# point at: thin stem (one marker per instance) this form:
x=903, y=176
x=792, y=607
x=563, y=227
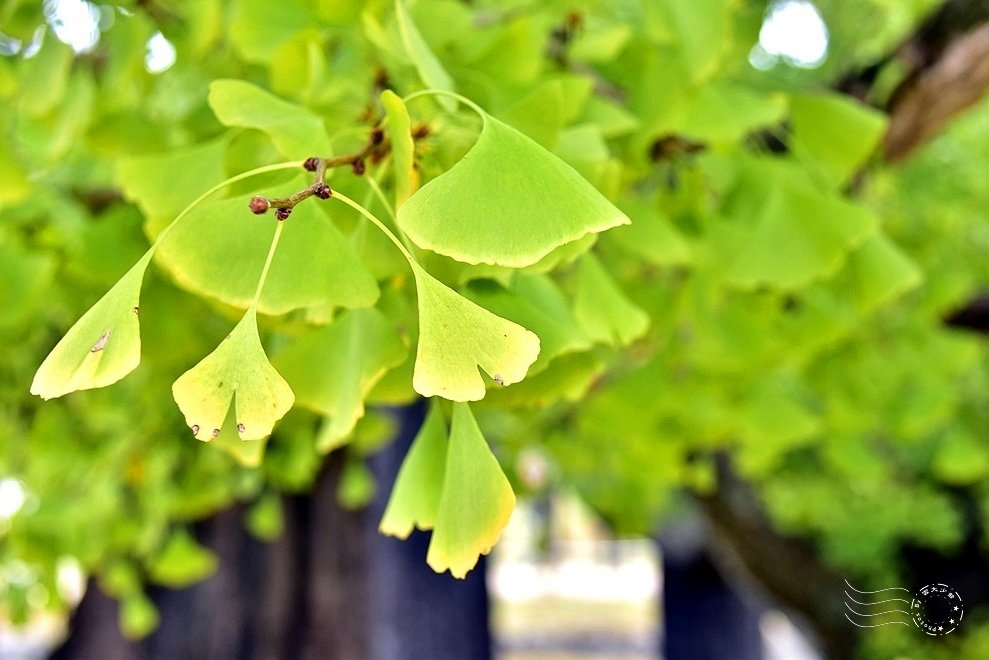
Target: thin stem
x=442, y=92
x=376, y=187
x=372, y=182
x=381, y=225
x=234, y=179
x=267, y=263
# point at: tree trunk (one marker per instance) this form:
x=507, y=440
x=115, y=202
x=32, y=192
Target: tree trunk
x=330, y=587
x=705, y=617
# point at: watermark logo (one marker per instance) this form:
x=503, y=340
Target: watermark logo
x=937, y=609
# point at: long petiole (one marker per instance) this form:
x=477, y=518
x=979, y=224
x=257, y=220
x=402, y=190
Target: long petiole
x=372, y=182
x=224, y=184
x=267, y=263
x=442, y=92
x=381, y=225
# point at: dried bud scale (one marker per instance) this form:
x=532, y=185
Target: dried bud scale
x=322, y=191
x=311, y=164
x=358, y=167
x=283, y=213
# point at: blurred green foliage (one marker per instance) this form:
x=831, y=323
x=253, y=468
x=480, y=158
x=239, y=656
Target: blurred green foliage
x=785, y=307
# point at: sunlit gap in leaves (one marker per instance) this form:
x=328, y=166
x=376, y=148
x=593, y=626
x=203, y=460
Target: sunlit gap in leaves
x=160, y=54
x=76, y=23
x=794, y=33
x=12, y=497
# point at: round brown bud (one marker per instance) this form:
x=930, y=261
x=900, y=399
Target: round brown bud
x=377, y=135
x=259, y=205
x=282, y=213
x=322, y=191
x=311, y=164
x=358, y=166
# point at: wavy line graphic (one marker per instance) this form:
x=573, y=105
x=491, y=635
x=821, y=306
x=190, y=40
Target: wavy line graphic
x=876, y=599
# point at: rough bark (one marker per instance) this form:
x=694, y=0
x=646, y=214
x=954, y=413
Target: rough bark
x=946, y=61
x=329, y=587
x=935, y=93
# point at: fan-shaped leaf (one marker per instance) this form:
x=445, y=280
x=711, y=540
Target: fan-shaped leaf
x=415, y=498
x=781, y=231
x=237, y=372
x=102, y=347
x=429, y=68
x=296, y=132
x=535, y=302
x=332, y=369
x=603, y=309
x=219, y=248
x=476, y=501
x=456, y=337
x=508, y=202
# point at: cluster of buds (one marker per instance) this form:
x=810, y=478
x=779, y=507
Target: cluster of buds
x=375, y=149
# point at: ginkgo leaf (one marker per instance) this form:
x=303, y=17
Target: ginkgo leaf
x=415, y=497
x=333, y=368
x=297, y=132
x=191, y=170
x=402, y=146
x=236, y=372
x=836, y=131
x=476, y=501
x=425, y=62
x=539, y=114
x=651, y=235
x=456, y=337
x=357, y=484
x=781, y=231
x=218, y=249
x=567, y=378
x=603, y=309
x=535, y=302
x=102, y=347
x=182, y=562
x=248, y=453
x=878, y=271
x=532, y=202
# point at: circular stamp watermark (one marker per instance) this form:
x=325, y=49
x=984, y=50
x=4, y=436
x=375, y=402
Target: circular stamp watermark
x=937, y=609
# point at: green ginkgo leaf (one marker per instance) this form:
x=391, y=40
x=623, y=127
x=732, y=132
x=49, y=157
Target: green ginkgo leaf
x=296, y=132
x=536, y=303
x=567, y=378
x=415, y=497
x=456, y=337
x=218, y=249
x=780, y=230
x=425, y=62
x=248, y=453
x=476, y=501
x=333, y=368
x=877, y=272
x=836, y=131
x=532, y=202
x=402, y=145
x=236, y=372
x=602, y=308
x=102, y=347
x=191, y=170
x=182, y=562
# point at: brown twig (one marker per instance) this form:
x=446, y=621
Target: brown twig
x=375, y=148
